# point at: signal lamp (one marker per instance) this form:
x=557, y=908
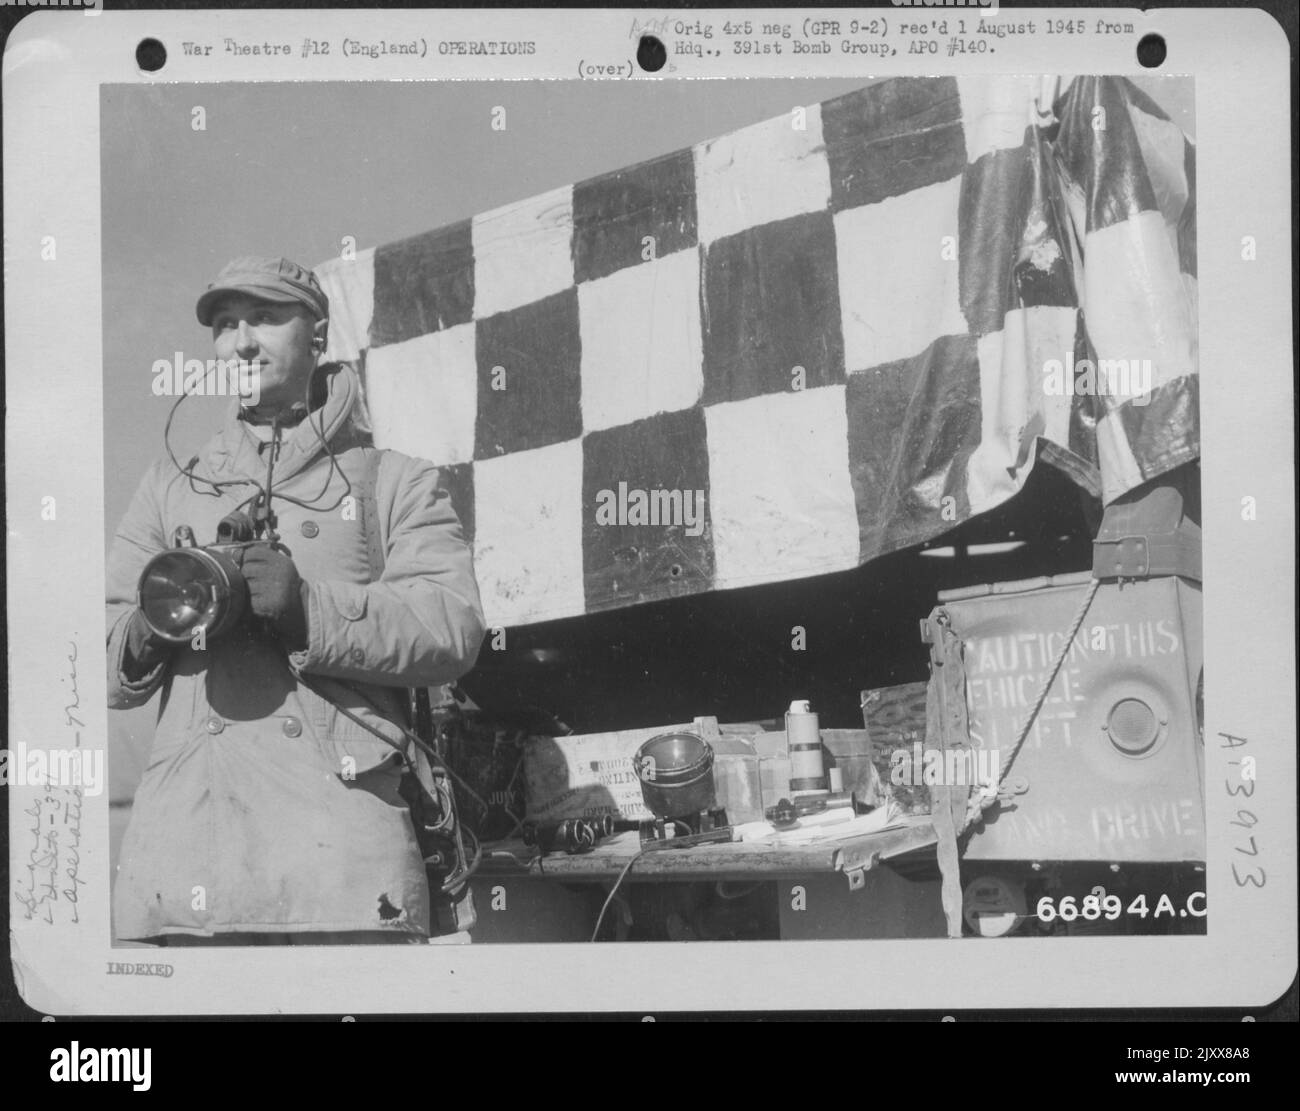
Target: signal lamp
x=186, y=589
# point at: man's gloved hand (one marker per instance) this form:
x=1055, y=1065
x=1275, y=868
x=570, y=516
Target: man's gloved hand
x=277, y=593
x=144, y=648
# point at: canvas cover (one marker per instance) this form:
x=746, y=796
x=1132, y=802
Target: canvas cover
x=828, y=333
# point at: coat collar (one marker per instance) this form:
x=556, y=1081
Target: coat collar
x=234, y=450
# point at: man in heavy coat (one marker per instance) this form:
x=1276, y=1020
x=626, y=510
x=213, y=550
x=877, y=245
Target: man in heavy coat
x=266, y=813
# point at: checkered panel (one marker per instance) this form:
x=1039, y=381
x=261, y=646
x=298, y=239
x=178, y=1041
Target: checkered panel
x=768, y=172
x=1130, y=315
x=996, y=114
x=782, y=500
x=458, y=481
x=929, y=399
x=633, y=216
x=529, y=381
x=1033, y=336
x=1038, y=245
x=528, y=534
x=1104, y=170
x=919, y=248
x=423, y=284
x=898, y=277
x=771, y=304
x=423, y=393
x=991, y=240
x=1173, y=404
x=641, y=348
x=1138, y=286
x=350, y=286
x=646, y=528
x=523, y=252
x=888, y=139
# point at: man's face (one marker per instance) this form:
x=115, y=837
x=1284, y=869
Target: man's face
x=276, y=337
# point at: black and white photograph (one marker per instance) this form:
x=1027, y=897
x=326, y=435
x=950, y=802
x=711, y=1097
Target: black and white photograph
x=794, y=534
x=663, y=511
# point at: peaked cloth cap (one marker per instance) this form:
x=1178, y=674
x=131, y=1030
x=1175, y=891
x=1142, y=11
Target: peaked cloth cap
x=272, y=279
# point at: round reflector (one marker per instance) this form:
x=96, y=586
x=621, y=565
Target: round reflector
x=994, y=906
x=1132, y=726
x=185, y=589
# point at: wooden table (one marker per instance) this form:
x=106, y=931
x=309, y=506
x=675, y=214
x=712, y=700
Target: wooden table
x=736, y=859
x=830, y=890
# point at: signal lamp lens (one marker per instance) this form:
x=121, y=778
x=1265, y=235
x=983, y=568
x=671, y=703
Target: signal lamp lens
x=186, y=589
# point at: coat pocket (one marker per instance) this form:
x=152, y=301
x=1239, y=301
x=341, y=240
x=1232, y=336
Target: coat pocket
x=348, y=741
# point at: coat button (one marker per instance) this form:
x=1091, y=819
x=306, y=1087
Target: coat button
x=310, y=529
x=214, y=725
x=292, y=727
x=357, y=655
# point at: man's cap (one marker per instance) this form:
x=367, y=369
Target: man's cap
x=271, y=279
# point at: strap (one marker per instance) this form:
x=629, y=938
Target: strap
x=946, y=729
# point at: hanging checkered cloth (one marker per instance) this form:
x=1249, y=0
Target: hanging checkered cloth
x=834, y=324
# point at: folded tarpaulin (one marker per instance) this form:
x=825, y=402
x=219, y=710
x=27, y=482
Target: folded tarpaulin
x=794, y=348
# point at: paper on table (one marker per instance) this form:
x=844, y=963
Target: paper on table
x=827, y=826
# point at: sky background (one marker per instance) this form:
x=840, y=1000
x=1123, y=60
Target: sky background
x=291, y=168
